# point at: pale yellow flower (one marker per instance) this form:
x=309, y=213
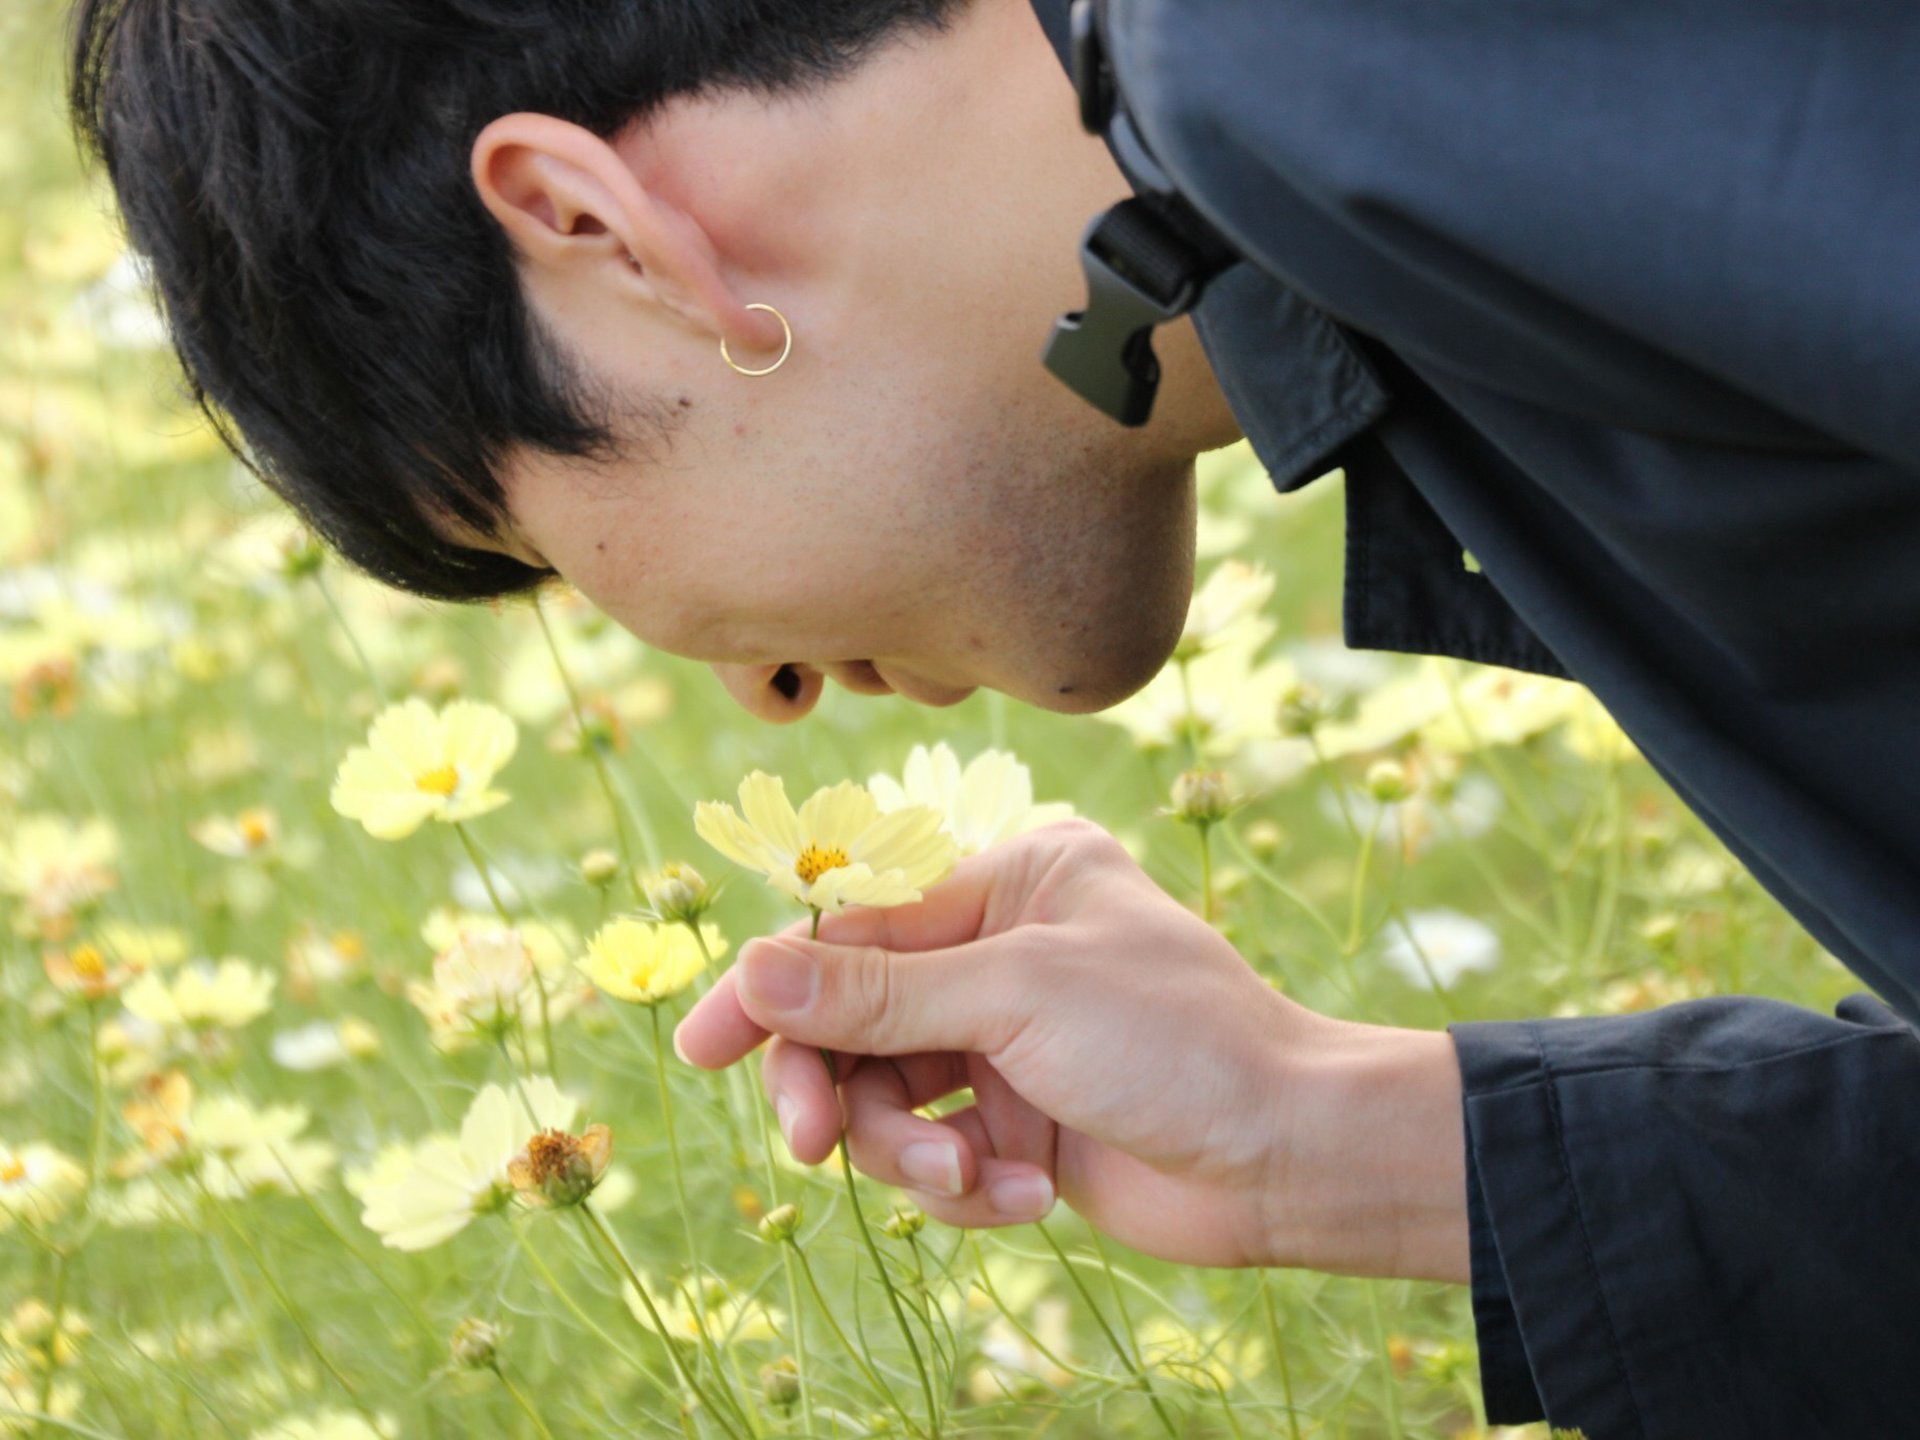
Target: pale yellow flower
x=418, y=765
x=238, y=837
x=726, y=1317
x=246, y=1151
x=838, y=850
x=484, y=973
x=647, y=963
x=327, y=1425
x=1227, y=606
x=989, y=801
x=37, y=1183
x=230, y=994
x=418, y=1198
x=56, y=867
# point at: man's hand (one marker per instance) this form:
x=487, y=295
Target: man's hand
x=1121, y=1055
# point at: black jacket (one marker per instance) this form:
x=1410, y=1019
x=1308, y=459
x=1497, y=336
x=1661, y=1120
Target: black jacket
x=1624, y=298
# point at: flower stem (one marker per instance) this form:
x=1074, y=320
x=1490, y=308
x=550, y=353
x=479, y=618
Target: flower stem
x=1206, y=871
x=1140, y=1376
x=590, y=745
x=1389, y=1389
x=697, y=1303
x=880, y=1387
x=506, y=919
x=879, y=1263
x=687, y=1377
x=525, y=1405
x=1279, y=1356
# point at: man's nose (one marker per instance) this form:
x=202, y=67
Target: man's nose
x=779, y=694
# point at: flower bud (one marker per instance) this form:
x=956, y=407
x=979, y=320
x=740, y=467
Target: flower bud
x=1202, y=797
x=780, y=1382
x=1303, y=710
x=677, y=892
x=475, y=1344
x=780, y=1223
x=1388, y=783
x=599, y=867
x=905, y=1222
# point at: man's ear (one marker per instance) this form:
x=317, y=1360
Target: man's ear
x=571, y=207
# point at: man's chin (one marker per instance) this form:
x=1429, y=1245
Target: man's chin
x=1085, y=691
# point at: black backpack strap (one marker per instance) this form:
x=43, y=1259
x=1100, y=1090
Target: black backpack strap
x=1148, y=259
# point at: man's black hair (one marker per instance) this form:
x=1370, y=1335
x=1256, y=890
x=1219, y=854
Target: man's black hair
x=296, y=173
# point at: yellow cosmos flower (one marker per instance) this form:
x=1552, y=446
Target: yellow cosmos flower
x=644, y=963
x=415, y=1198
x=837, y=850
x=230, y=994
x=37, y=1183
x=419, y=765
x=722, y=1315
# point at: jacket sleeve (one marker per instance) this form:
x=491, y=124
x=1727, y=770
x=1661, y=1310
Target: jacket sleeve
x=1697, y=1222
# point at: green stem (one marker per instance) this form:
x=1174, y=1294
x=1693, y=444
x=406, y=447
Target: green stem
x=879, y=1262
x=592, y=747
x=1279, y=1356
x=1389, y=1387
x=1356, y=910
x=340, y=619
x=53, y=1338
x=1140, y=1376
x=500, y=909
x=880, y=1387
x=565, y=1297
x=697, y=1303
x=525, y=1405
x=1206, y=870
x=626, y=1270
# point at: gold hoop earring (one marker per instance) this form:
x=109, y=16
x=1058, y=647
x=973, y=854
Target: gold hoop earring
x=785, y=350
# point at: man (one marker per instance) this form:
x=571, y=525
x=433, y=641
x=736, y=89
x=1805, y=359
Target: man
x=727, y=312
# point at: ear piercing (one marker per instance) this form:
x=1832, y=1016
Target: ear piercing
x=785, y=350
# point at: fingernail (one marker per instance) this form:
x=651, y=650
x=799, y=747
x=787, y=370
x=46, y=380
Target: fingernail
x=785, y=1109
x=776, y=977
x=676, y=1047
x=1023, y=1197
x=934, y=1164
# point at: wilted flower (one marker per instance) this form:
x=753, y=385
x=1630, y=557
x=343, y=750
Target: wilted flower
x=838, y=850
x=677, y=892
x=37, y=1183
x=990, y=801
x=646, y=963
x=419, y=765
x=416, y=1198
x=160, y=1113
x=557, y=1168
x=229, y=995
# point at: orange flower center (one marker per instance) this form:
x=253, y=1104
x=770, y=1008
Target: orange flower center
x=441, y=781
x=88, y=963
x=550, y=1152
x=13, y=1171
x=255, y=827
x=815, y=862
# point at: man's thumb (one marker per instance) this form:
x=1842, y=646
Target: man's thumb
x=872, y=1001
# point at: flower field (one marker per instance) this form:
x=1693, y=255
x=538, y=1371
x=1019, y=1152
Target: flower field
x=342, y=937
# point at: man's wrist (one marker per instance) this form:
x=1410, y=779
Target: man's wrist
x=1375, y=1163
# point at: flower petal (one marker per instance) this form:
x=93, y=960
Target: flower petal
x=763, y=800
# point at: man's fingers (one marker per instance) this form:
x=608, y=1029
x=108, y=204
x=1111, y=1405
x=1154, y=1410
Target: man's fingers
x=803, y=1098
x=892, y=1144
x=879, y=1002
x=717, y=1031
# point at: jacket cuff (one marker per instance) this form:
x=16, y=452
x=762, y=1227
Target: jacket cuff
x=1546, y=1345
x=1506, y=1382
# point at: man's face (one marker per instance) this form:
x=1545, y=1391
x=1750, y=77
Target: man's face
x=910, y=502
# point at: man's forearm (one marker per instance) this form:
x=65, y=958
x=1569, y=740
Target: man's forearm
x=1375, y=1161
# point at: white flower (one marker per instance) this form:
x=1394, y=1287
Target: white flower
x=37, y=1182
x=990, y=801
x=483, y=973
x=324, y=1044
x=418, y=1198
x=1450, y=942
